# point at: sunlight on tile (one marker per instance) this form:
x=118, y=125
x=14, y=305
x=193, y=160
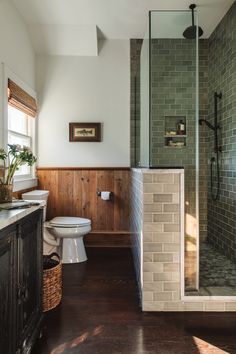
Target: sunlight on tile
x=191, y=226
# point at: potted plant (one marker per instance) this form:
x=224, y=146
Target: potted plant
x=12, y=159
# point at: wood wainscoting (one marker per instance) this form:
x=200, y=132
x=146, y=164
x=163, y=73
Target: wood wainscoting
x=73, y=192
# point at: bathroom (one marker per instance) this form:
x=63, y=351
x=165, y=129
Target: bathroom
x=151, y=194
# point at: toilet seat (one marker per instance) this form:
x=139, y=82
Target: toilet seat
x=69, y=222
x=69, y=232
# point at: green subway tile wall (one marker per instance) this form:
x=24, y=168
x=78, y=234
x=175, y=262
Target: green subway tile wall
x=222, y=77
x=135, y=50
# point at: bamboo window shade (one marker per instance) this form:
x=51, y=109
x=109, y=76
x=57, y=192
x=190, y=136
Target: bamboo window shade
x=21, y=100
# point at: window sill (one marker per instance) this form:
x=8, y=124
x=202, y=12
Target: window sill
x=22, y=184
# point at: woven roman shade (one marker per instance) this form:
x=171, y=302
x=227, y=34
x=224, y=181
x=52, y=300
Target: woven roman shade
x=21, y=100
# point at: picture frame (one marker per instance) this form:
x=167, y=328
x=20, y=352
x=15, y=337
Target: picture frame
x=84, y=132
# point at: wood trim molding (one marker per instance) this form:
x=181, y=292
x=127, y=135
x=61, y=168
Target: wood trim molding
x=108, y=239
x=82, y=168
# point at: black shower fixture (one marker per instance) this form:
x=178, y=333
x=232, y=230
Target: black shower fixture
x=208, y=124
x=215, y=127
x=215, y=164
x=191, y=31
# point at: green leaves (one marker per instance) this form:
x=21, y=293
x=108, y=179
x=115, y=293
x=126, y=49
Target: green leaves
x=3, y=154
x=14, y=158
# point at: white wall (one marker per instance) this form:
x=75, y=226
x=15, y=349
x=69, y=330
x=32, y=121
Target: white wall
x=84, y=89
x=15, y=47
x=16, y=51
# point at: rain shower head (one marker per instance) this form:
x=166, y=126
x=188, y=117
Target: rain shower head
x=191, y=31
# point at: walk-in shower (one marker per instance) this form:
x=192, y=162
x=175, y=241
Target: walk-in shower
x=185, y=80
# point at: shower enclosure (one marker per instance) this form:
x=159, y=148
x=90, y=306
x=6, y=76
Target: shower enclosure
x=184, y=116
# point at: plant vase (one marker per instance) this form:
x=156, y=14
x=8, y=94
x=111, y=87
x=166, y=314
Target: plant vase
x=6, y=193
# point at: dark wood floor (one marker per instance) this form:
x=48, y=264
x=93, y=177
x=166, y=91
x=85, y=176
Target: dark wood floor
x=100, y=314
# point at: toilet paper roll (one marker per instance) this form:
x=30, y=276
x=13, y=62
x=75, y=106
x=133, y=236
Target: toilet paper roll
x=105, y=195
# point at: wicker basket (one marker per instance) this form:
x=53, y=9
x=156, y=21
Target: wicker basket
x=52, y=281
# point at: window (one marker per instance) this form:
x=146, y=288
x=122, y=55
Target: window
x=21, y=131
x=22, y=109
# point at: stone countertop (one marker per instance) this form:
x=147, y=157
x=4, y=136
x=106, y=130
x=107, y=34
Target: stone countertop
x=8, y=217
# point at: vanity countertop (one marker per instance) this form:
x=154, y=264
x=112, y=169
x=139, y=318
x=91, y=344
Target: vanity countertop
x=8, y=217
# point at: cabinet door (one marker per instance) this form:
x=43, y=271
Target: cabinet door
x=8, y=239
x=30, y=279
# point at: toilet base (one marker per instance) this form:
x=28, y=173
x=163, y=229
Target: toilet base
x=73, y=250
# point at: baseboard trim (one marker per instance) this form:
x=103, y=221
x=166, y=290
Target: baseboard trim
x=108, y=239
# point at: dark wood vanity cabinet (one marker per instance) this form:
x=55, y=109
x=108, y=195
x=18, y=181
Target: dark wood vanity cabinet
x=8, y=279
x=21, y=284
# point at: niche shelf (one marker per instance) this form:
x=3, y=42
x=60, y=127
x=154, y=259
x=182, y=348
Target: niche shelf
x=173, y=136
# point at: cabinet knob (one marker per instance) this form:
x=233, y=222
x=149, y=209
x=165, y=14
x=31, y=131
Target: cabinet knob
x=19, y=292
x=22, y=292
x=25, y=294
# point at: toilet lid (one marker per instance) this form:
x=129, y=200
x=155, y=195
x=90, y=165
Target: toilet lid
x=69, y=221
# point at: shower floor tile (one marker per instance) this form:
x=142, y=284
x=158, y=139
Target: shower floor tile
x=215, y=268
x=217, y=273
x=212, y=291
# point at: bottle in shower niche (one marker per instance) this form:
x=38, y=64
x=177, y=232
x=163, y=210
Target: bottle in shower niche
x=181, y=127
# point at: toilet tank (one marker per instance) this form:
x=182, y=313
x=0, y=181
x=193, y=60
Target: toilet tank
x=40, y=196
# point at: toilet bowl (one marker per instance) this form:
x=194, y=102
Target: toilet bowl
x=62, y=232
x=70, y=231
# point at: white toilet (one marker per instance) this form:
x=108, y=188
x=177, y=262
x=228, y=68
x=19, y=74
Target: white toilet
x=63, y=231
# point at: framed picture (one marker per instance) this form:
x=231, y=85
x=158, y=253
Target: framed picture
x=85, y=132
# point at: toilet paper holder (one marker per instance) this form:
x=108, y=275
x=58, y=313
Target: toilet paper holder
x=100, y=192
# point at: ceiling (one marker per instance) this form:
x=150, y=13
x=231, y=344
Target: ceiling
x=72, y=27
x=115, y=19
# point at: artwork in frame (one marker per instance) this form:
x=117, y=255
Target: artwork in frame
x=85, y=132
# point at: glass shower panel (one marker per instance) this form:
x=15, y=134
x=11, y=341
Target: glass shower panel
x=174, y=116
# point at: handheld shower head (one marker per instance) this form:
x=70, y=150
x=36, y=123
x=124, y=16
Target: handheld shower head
x=201, y=121
x=208, y=124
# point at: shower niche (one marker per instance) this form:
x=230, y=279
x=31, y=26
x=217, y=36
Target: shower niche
x=175, y=133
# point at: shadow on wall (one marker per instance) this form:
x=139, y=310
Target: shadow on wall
x=101, y=40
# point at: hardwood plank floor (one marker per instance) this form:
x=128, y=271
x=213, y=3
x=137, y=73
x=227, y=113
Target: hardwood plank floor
x=100, y=314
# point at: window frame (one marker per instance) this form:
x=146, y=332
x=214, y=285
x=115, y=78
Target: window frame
x=29, y=180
